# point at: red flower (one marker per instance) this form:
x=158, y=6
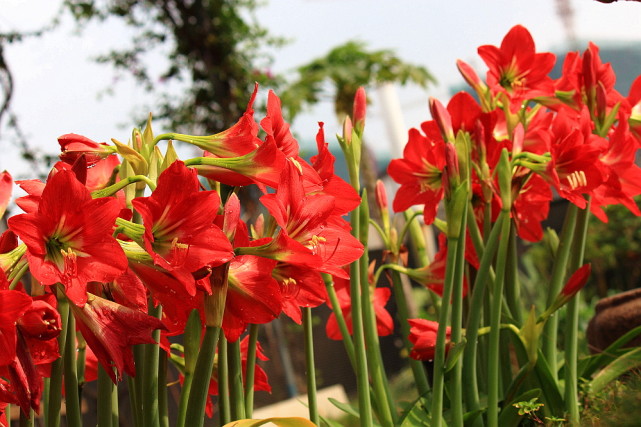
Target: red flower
x=380, y=296
x=111, y=330
x=420, y=173
x=73, y=146
x=179, y=222
x=516, y=69
x=309, y=221
x=69, y=237
x=423, y=335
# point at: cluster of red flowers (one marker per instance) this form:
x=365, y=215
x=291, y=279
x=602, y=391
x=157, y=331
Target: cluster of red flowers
x=111, y=254
x=576, y=136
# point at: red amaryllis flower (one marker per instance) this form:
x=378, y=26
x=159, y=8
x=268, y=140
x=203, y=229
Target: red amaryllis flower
x=575, y=168
x=252, y=295
x=299, y=287
x=346, y=198
x=420, y=173
x=73, y=146
x=380, y=296
x=13, y=304
x=516, y=69
x=179, y=222
x=423, y=335
x=111, y=330
x=6, y=187
x=309, y=221
x=69, y=239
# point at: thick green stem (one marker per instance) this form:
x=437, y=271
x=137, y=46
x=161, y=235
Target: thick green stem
x=418, y=370
x=163, y=409
x=57, y=368
x=236, y=390
x=362, y=374
x=115, y=413
x=191, y=345
x=439, y=354
x=223, y=382
x=495, y=331
x=457, y=324
x=380, y=385
x=202, y=377
x=550, y=330
x=105, y=391
x=151, y=416
x=484, y=277
x=512, y=289
x=572, y=322
x=311, y=367
x=72, y=398
x=250, y=370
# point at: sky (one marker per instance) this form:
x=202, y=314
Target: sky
x=59, y=88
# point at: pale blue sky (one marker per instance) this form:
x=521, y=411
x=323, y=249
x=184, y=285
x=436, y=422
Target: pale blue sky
x=57, y=83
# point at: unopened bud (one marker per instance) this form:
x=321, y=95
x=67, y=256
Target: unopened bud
x=360, y=109
x=443, y=119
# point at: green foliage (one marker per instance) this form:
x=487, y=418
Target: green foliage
x=347, y=67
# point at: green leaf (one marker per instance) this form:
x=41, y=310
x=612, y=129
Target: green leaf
x=418, y=415
x=510, y=414
x=597, y=361
x=615, y=369
x=345, y=407
x=551, y=394
x=454, y=354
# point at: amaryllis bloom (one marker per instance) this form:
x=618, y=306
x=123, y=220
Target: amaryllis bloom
x=379, y=296
x=252, y=295
x=346, y=198
x=179, y=222
x=420, y=173
x=575, y=168
x=111, y=330
x=69, y=238
x=309, y=221
x=423, y=335
x=516, y=69
x=74, y=146
x=6, y=188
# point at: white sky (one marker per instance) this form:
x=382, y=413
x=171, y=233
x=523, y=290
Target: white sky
x=57, y=84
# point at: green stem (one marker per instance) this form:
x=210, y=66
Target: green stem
x=550, y=330
x=57, y=367
x=495, y=331
x=24, y=420
x=115, y=416
x=72, y=398
x=250, y=370
x=418, y=370
x=457, y=324
x=311, y=367
x=151, y=416
x=340, y=319
x=113, y=189
x=512, y=289
x=191, y=345
x=223, y=382
x=236, y=380
x=105, y=392
x=484, y=277
x=572, y=321
x=163, y=409
x=384, y=402
x=362, y=375
x=439, y=354
x=202, y=377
